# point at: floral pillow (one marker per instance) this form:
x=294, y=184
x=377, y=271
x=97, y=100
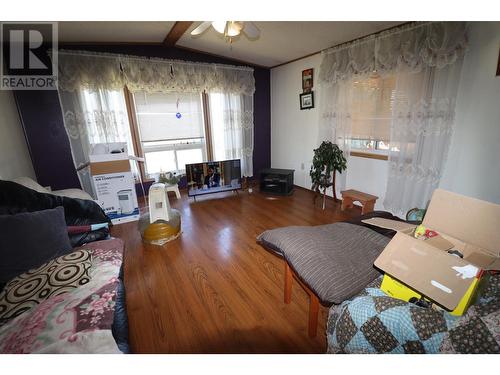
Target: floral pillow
x=56, y=277
x=75, y=322
x=78, y=320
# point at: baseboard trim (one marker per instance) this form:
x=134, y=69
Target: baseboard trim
x=312, y=191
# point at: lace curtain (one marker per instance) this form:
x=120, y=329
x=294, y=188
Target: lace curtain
x=335, y=103
x=423, y=115
x=410, y=48
x=81, y=69
x=232, y=128
x=167, y=76
x=425, y=60
x=90, y=117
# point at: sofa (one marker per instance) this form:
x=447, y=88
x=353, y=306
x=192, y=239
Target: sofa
x=59, y=293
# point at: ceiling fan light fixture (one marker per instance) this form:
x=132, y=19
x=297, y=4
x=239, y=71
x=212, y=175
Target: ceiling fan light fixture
x=219, y=26
x=229, y=29
x=234, y=28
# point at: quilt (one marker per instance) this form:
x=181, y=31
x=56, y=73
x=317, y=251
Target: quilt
x=376, y=323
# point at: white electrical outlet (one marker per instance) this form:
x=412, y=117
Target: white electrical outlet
x=302, y=166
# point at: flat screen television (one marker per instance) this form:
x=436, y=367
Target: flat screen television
x=213, y=177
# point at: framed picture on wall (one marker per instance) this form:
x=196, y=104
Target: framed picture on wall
x=307, y=80
x=306, y=100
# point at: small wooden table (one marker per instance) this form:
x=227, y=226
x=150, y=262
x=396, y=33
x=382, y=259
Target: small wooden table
x=367, y=200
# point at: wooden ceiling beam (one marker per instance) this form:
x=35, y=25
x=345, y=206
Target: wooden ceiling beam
x=179, y=28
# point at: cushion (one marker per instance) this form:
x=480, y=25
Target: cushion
x=30, y=184
x=58, y=276
x=16, y=198
x=30, y=239
x=73, y=193
x=334, y=260
x=79, y=320
x=33, y=185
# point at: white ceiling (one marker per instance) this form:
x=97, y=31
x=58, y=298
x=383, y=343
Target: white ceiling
x=114, y=32
x=279, y=42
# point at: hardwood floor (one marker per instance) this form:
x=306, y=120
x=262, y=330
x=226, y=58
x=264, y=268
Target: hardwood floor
x=215, y=290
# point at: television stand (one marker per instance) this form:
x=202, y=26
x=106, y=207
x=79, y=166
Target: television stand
x=235, y=190
x=276, y=181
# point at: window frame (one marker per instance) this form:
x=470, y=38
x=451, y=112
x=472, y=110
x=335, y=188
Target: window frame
x=134, y=132
x=175, y=147
x=375, y=153
x=368, y=155
x=207, y=148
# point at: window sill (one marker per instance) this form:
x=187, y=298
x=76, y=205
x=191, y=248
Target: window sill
x=144, y=180
x=362, y=154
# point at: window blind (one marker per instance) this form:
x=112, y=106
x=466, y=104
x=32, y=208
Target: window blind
x=169, y=116
x=372, y=108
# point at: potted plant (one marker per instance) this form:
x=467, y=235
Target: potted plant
x=169, y=178
x=328, y=159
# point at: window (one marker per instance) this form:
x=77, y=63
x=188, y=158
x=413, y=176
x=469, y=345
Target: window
x=106, y=119
x=171, y=129
x=372, y=113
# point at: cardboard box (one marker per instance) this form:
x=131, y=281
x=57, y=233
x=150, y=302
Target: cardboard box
x=397, y=289
x=468, y=225
x=114, y=185
x=101, y=152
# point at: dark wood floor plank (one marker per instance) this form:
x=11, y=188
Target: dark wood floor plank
x=215, y=290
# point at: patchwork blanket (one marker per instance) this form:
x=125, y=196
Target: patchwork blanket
x=376, y=323
x=64, y=306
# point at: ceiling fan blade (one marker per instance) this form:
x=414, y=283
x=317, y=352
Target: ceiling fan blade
x=201, y=28
x=251, y=31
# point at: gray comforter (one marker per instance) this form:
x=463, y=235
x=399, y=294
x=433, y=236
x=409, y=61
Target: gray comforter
x=334, y=260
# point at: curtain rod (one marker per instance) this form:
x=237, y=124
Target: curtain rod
x=146, y=58
x=379, y=34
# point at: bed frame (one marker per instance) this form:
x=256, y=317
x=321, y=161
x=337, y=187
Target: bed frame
x=290, y=275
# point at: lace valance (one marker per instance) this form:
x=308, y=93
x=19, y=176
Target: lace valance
x=411, y=47
x=80, y=69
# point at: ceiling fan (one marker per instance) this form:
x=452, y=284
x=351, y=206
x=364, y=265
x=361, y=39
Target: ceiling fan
x=229, y=29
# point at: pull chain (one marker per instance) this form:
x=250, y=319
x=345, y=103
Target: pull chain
x=178, y=114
